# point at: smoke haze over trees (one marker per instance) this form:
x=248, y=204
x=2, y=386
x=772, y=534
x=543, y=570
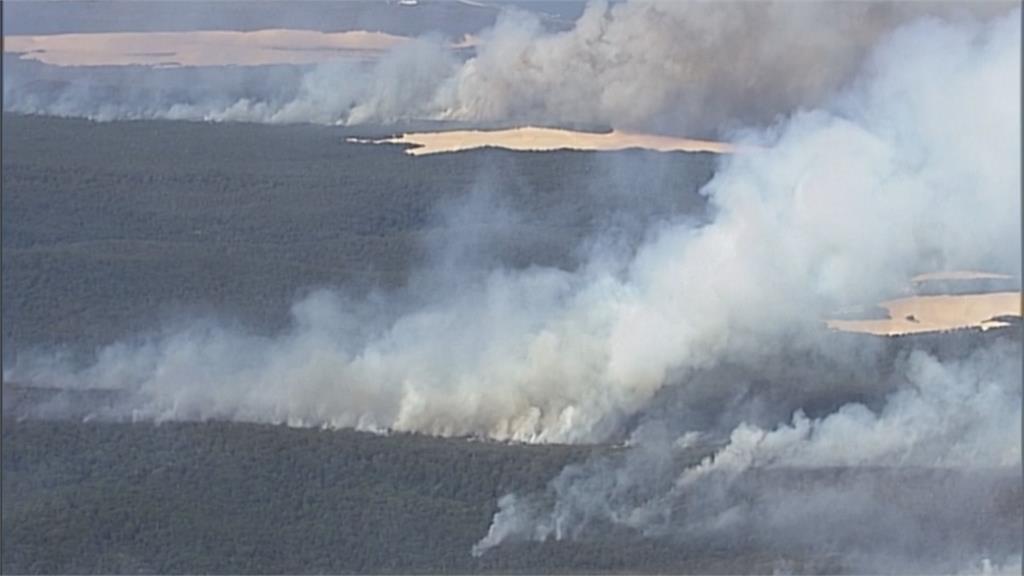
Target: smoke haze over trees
x=689, y=68
x=670, y=304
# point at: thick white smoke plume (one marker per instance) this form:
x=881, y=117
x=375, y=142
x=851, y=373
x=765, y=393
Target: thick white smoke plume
x=685, y=67
x=848, y=482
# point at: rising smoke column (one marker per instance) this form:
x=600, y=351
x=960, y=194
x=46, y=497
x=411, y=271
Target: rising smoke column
x=929, y=480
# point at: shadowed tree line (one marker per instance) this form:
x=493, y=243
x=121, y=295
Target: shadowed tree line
x=113, y=228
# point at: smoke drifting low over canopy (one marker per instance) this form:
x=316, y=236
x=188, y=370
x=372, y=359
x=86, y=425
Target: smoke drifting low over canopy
x=699, y=333
x=829, y=208
x=691, y=68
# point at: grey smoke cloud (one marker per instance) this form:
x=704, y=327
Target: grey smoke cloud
x=684, y=67
x=840, y=483
x=928, y=480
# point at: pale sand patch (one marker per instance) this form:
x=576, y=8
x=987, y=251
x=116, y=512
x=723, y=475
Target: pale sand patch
x=200, y=48
x=918, y=314
x=958, y=275
x=531, y=138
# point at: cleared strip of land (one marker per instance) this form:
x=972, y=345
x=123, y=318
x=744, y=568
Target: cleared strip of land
x=532, y=138
x=918, y=314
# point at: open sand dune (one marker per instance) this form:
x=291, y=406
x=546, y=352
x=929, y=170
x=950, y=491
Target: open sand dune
x=200, y=48
x=531, y=138
x=937, y=313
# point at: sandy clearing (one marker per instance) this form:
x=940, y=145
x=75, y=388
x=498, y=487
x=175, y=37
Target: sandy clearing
x=531, y=138
x=200, y=48
x=918, y=314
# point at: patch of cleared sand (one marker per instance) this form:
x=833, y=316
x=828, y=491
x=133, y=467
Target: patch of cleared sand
x=917, y=314
x=200, y=48
x=530, y=138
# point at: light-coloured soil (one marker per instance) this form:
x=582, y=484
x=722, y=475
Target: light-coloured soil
x=531, y=138
x=917, y=314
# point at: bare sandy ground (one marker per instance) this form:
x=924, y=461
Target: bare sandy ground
x=530, y=138
x=200, y=48
x=917, y=314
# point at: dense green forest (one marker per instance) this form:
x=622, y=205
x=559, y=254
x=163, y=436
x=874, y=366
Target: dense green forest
x=112, y=228
x=245, y=498
x=240, y=498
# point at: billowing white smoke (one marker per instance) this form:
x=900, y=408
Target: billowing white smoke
x=681, y=66
x=686, y=67
x=916, y=168
x=840, y=200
